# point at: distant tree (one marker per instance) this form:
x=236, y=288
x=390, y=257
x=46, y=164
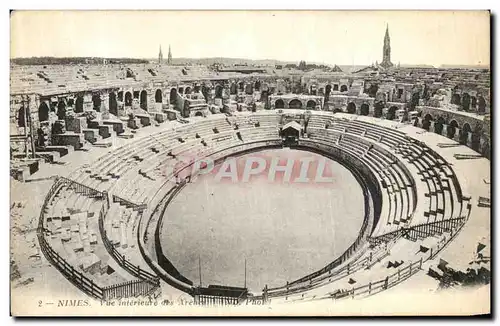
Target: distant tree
x=302, y=65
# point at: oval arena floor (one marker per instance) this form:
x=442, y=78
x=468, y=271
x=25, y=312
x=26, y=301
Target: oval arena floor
x=283, y=230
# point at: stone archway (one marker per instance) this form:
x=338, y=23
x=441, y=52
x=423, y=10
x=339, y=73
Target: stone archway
x=257, y=85
x=198, y=114
x=464, y=134
x=378, y=109
x=173, y=96
x=439, y=125
x=249, y=89
x=79, y=104
x=241, y=86
x=96, y=102
x=233, y=89
x=455, y=99
x=43, y=112
x=343, y=88
x=144, y=100
x=187, y=90
x=21, y=116
x=120, y=96
x=128, y=99
x=473, y=102
x=218, y=91
x=475, y=142
x=311, y=104
x=466, y=102
x=351, y=108
x=451, y=129
x=279, y=104
x=112, y=104
x=391, y=113
x=365, y=109
x=158, y=96
x=295, y=104
x=481, y=105
x=61, y=110
x=426, y=123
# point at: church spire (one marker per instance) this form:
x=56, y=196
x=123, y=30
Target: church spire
x=169, y=59
x=160, y=56
x=386, y=59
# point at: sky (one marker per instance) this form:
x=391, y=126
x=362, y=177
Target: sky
x=331, y=37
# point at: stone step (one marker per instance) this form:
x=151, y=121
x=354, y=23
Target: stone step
x=126, y=135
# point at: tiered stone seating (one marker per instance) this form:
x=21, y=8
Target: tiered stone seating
x=73, y=223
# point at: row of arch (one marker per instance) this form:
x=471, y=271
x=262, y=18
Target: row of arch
x=451, y=129
x=466, y=102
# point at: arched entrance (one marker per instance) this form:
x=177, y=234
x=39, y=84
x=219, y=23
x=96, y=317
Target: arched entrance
x=335, y=87
x=20, y=117
x=451, y=129
x=279, y=104
x=181, y=90
x=173, y=96
x=481, y=105
x=128, y=99
x=198, y=114
x=378, y=109
x=311, y=104
x=438, y=125
x=343, y=88
x=415, y=99
x=391, y=113
x=257, y=85
x=351, y=108
x=426, y=124
x=365, y=109
x=263, y=97
x=96, y=101
x=241, y=86
x=43, y=112
x=79, y=104
x=218, y=91
x=464, y=134
x=113, y=105
x=233, y=89
x=158, y=96
x=144, y=100
x=295, y=104
x=249, y=89
x=204, y=91
x=188, y=90
x=61, y=110
x=475, y=142
x=328, y=90
x=466, y=102
x=473, y=102
x=455, y=99
x=372, y=91
x=120, y=96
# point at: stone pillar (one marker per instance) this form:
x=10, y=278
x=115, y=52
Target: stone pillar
x=87, y=102
x=456, y=137
x=105, y=106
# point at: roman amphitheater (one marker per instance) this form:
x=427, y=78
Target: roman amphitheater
x=106, y=204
